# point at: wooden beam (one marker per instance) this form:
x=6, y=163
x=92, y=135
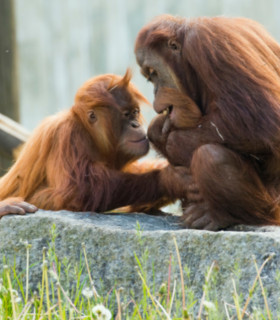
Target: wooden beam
x=12, y=134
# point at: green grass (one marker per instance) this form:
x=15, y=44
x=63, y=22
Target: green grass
x=174, y=299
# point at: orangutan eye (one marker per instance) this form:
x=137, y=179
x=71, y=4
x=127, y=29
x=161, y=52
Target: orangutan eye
x=173, y=45
x=151, y=74
x=92, y=116
x=136, y=113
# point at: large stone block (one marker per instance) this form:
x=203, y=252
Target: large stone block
x=113, y=240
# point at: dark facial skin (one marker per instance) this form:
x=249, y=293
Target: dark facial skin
x=151, y=67
x=132, y=142
x=120, y=122
x=155, y=70
x=177, y=112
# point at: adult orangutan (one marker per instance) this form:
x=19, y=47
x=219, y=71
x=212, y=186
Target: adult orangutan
x=217, y=91
x=77, y=160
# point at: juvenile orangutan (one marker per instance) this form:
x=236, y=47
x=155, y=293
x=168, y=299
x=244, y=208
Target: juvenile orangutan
x=82, y=159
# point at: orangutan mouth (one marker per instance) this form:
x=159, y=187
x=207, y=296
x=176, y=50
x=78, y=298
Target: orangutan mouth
x=167, y=111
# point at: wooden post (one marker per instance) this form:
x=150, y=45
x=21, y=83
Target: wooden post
x=8, y=65
x=12, y=135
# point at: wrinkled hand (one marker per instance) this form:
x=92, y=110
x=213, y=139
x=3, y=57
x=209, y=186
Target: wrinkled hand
x=181, y=179
x=16, y=206
x=193, y=193
x=176, y=180
x=200, y=216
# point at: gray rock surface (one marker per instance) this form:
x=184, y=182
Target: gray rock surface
x=113, y=240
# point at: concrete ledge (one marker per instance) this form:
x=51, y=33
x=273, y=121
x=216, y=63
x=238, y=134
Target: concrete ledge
x=113, y=240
